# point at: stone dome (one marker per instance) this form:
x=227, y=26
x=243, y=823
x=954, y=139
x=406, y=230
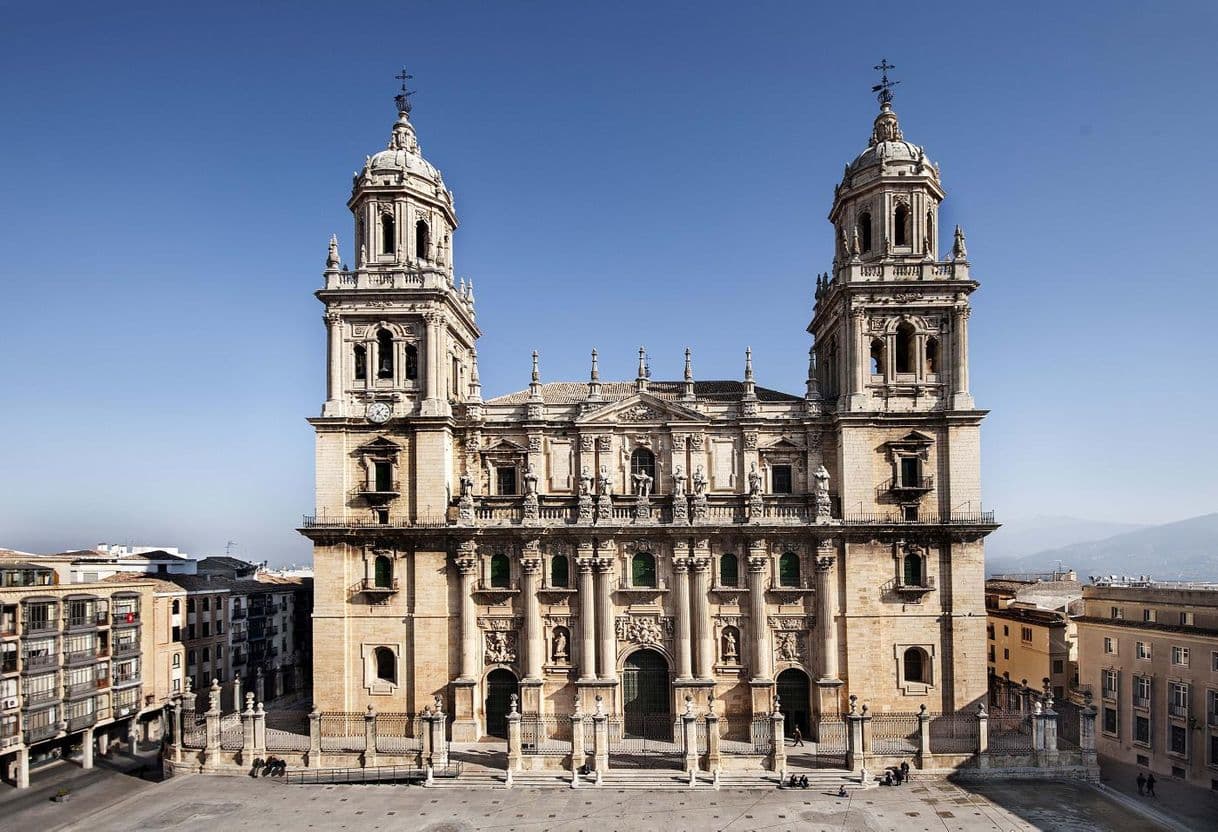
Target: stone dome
x=888, y=145
x=402, y=156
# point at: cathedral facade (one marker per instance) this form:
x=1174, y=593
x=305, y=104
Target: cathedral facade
x=645, y=542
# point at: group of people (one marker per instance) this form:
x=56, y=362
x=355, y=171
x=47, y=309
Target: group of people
x=270, y=767
x=1146, y=785
x=896, y=775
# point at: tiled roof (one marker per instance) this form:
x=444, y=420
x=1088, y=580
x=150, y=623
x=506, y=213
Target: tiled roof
x=574, y=392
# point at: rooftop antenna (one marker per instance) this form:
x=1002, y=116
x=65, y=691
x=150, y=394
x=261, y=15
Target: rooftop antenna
x=228, y=548
x=883, y=89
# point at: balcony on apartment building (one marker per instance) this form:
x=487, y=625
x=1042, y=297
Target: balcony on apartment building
x=37, y=698
x=126, y=648
x=39, y=663
x=81, y=721
x=38, y=733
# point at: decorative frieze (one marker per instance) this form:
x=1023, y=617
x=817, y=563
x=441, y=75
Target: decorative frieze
x=644, y=630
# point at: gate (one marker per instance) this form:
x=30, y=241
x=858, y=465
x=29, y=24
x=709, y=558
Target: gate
x=645, y=741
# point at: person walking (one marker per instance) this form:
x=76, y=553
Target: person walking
x=799, y=737
x=1150, y=785
x=1141, y=783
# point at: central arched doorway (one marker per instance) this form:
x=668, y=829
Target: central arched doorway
x=646, y=736
x=500, y=685
x=795, y=699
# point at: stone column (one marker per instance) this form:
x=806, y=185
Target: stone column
x=758, y=563
x=600, y=740
x=237, y=692
x=259, y=686
x=983, y=737
x=534, y=646
x=714, y=757
x=826, y=612
x=700, y=611
x=433, y=356
x=370, y=737
x=177, y=732
x=577, y=743
x=467, y=565
x=86, y=749
x=689, y=736
x=606, y=667
x=514, y=752
x=859, y=358
x=1086, y=738
x=314, y=738
x=23, y=768
x=961, y=398
x=247, y=731
x=925, y=759
x=334, y=335
x=778, y=743
x=587, y=612
x=680, y=564
x=259, y=729
x=211, y=725
x=439, y=742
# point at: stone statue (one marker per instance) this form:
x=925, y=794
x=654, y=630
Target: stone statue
x=729, y=647
x=754, y=481
x=678, y=482
x=642, y=483
x=699, y=481
x=788, y=648
x=530, y=481
x=560, y=646
x=822, y=480
x=585, y=482
x=605, y=488
x=467, y=486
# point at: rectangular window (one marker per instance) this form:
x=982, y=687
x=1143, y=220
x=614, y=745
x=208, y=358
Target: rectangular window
x=780, y=479
x=176, y=635
x=206, y=629
x=1025, y=634
x=382, y=475
x=505, y=481
x=909, y=513
x=206, y=605
x=1177, y=699
x=1110, y=645
x=911, y=471
x=190, y=632
x=1116, y=613
x=207, y=654
x=382, y=516
x=1006, y=631
x=991, y=652
x=1211, y=709
x=1148, y=615
x=989, y=631
x=1059, y=666
x=1141, y=691
x=1006, y=654
x=1179, y=656
x=177, y=685
x=1214, y=661
x=1142, y=650
x=1110, y=721
x=1186, y=619
x=1178, y=742
x=190, y=657
x=1141, y=730
x=1111, y=684
x=190, y=604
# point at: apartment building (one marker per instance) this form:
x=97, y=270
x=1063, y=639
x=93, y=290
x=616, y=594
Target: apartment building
x=73, y=659
x=1031, y=639
x=1149, y=655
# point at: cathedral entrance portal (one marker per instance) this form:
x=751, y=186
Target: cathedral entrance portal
x=500, y=685
x=794, y=696
x=645, y=735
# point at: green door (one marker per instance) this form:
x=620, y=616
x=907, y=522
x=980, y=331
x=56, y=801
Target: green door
x=794, y=694
x=645, y=692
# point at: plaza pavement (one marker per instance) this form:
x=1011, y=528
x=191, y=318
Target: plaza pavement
x=197, y=802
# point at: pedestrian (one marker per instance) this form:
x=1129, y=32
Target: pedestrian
x=904, y=770
x=1150, y=785
x=799, y=737
x=1141, y=783
x=841, y=790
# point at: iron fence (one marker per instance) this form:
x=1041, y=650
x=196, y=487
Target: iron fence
x=232, y=733
x=342, y=731
x=953, y=733
x=1010, y=732
x=398, y=733
x=894, y=734
x=287, y=731
x=546, y=736
x=194, y=730
x=760, y=732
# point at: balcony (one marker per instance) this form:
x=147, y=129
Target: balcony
x=32, y=699
x=129, y=648
x=915, y=590
x=41, y=625
x=905, y=488
x=377, y=493
x=1177, y=710
x=82, y=657
x=1212, y=718
x=80, y=723
x=122, y=680
x=369, y=586
x=9, y=740
x=38, y=733
x=238, y=614
x=81, y=689
x=31, y=664
x=126, y=619
x=1141, y=702
x=85, y=622
x=9, y=665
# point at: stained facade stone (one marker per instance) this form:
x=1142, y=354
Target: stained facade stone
x=827, y=542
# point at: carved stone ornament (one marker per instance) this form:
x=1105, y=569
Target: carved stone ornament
x=695, y=441
x=534, y=443
x=602, y=443
x=789, y=623
x=790, y=647
x=500, y=647
x=640, y=413
x=644, y=630
x=679, y=440
x=585, y=442
x=500, y=623
x=750, y=440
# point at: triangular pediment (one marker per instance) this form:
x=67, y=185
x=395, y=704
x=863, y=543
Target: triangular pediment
x=913, y=438
x=381, y=444
x=783, y=444
x=642, y=408
x=504, y=446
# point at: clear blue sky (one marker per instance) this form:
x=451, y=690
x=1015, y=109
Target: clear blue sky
x=625, y=174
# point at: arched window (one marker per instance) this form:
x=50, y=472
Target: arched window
x=501, y=570
x=361, y=362
x=901, y=225
x=177, y=606
x=729, y=570
x=905, y=347
x=382, y=571
x=932, y=355
x=388, y=235
x=865, y=231
x=422, y=240
x=384, y=354
x=877, y=357
x=643, y=461
x=930, y=231
x=386, y=665
x=559, y=572
x=915, y=665
x=642, y=569
x=912, y=572
x=412, y=362
x=788, y=569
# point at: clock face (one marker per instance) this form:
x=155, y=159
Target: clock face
x=379, y=412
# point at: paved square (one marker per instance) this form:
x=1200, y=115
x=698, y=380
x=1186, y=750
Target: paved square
x=231, y=803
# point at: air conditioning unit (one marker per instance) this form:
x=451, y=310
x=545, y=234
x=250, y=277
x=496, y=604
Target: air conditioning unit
x=11, y=702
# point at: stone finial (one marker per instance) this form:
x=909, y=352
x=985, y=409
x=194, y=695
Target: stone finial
x=259, y=708
x=512, y=703
x=710, y=703
x=866, y=708
x=922, y=709
x=853, y=702
x=475, y=384
x=813, y=386
x=689, y=705
x=469, y=292
x=535, y=379
x=750, y=389
x=332, y=258
x=439, y=704
x=249, y=702
x=981, y=709
x=579, y=708
x=777, y=704
x=959, y=250
x=600, y=705
x=688, y=392
x=186, y=687
x=594, y=378
x=641, y=380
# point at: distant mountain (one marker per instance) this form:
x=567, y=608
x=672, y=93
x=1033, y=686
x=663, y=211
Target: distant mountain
x=1019, y=538
x=1184, y=550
